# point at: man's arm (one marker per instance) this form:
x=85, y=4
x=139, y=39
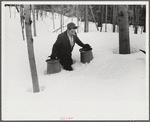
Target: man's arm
x=78, y=41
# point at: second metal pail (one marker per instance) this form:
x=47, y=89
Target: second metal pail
x=86, y=55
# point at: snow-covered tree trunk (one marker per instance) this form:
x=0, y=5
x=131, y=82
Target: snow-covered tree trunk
x=124, y=42
x=31, y=48
x=86, y=26
x=34, y=24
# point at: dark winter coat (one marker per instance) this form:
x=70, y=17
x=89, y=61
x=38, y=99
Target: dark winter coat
x=62, y=48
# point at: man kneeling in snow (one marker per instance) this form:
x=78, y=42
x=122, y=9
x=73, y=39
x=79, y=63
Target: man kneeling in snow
x=62, y=48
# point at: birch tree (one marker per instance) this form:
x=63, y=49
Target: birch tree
x=31, y=48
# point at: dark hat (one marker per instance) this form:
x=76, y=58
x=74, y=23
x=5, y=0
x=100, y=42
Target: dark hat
x=71, y=25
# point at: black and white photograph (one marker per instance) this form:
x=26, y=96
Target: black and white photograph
x=74, y=60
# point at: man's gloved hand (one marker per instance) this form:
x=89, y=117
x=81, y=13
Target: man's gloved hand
x=52, y=57
x=87, y=46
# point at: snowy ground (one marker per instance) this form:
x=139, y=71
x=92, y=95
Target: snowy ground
x=110, y=87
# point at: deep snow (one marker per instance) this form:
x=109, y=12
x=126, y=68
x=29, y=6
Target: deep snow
x=110, y=87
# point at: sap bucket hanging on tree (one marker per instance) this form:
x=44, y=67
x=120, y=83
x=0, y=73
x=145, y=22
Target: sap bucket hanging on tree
x=53, y=66
x=86, y=55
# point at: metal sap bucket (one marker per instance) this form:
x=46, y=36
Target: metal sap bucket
x=53, y=66
x=86, y=55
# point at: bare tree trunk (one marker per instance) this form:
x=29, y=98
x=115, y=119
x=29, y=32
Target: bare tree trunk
x=94, y=18
x=17, y=8
x=22, y=20
x=37, y=13
x=99, y=17
x=106, y=20
x=138, y=11
x=34, y=25
x=10, y=11
x=61, y=19
x=77, y=14
x=71, y=18
x=111, y=13
x=41, y=14
x=141, y=29
x=72, y=13
x=31, y=48
x=136, y=15
x=144, y=28
x=14, y=13
x=45, y=14
x=53, y=18
x=135, y=26
x=118, y=28
x=114, y=18
x=117, y=10
x=86, y=27
x=124, y=42
x=102, y=13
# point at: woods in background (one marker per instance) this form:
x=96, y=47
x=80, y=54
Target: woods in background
x=99, y=14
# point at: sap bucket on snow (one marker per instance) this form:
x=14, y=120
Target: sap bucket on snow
x=53, y=66
x=86, y=55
